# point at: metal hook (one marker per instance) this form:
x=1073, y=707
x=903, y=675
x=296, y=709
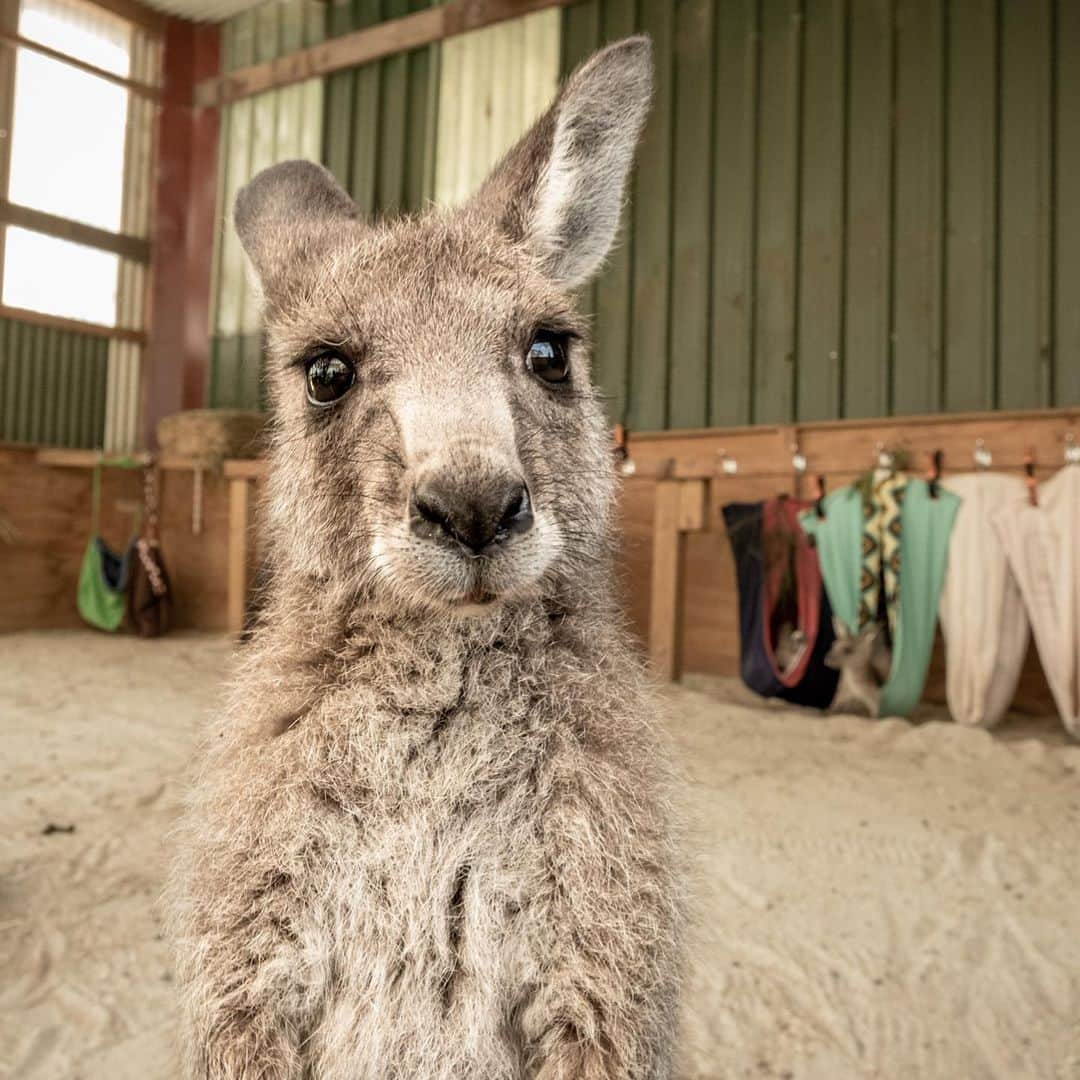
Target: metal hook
x=1030, y=481
x=728, y=465
x=1072, y=449
x=798, y=458
x=624, y=462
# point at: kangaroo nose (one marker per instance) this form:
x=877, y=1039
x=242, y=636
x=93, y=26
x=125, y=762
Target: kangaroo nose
x=475, y=520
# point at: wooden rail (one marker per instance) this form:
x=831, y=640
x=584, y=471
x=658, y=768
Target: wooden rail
x=362, y=46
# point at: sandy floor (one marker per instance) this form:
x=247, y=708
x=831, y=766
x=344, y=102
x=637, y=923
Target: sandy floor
x=874, y=899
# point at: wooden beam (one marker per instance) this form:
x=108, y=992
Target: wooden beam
x=679, y=508
x=239, y=524
x=16, y=41
x=128, y=247
x=362, y=46
x=75, y=326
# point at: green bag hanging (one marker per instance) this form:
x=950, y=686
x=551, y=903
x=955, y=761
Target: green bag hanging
x=104, y=575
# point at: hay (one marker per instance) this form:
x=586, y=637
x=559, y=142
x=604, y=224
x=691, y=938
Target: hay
x=211, y=436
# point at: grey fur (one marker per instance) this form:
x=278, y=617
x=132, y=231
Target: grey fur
x=430, y=835
x=863, y=660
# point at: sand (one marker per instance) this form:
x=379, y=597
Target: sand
x=872, y=899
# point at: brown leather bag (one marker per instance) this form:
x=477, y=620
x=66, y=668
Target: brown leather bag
x=149, y=600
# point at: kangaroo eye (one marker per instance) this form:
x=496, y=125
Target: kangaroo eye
x=329, y=376
x=548, y=356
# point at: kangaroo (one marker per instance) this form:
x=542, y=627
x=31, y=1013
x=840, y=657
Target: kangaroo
x=430, y=835
x=863, y=660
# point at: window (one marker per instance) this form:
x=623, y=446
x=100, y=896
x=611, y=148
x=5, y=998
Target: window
x=71, y=210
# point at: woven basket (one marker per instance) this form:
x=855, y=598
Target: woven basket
x=210, y=436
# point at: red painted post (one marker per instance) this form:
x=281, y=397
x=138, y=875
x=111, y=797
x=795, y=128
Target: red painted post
x=185, y=184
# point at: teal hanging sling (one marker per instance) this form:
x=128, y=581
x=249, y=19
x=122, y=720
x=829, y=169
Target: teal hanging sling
x=926, y=523
x=104, y=574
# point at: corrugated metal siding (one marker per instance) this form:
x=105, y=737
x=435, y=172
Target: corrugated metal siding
x=52, y=385
x=372, y=126
x=379, y=127
x=844, y=209
x=254, y=133
x=493, y=83
x=124, y=380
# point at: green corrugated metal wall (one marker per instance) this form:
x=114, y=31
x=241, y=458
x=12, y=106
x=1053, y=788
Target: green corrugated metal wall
x=255, y=133
x=845, y=208
x=379, y=124
x=52, y=385
x=841, y=208
x=372, y=126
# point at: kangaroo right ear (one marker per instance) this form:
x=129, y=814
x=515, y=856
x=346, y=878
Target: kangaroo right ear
x=560, y=189
x=840, y=629
x=286, y=217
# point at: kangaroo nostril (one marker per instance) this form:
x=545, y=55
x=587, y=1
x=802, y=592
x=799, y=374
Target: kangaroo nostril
x=517, y=516
x=427, y=516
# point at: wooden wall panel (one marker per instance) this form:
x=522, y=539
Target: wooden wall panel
x=49, y=511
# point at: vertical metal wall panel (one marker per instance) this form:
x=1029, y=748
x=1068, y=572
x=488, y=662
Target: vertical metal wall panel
x=894, y=211
x=919, y=172
x=971, y=206
x=52, y=385
x=688, y=406
x=647, y=405
x=775, y=296
x=841, y=207
x=1067, y=204
x=821, y=212
x=867, y=350
x=1024, y=239
x=734, y=155
x=493, y=83
x=255, y=133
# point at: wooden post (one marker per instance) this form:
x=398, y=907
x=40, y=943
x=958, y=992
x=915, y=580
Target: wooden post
x=679, y=508
x=239, y=522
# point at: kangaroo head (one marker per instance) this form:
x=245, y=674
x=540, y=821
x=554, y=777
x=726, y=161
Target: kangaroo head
x=438, y=442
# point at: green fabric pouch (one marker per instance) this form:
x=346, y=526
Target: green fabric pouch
x=926, y=523
x=104, y=575
x=103, y=581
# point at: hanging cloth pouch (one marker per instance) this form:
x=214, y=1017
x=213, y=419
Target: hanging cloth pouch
x=752, y=529
x=1041, y=545
x=104, y=574
x=926, y=524
x=983, y=619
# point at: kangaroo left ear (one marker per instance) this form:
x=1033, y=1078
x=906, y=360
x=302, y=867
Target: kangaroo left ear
x=560, y=189
x=286, y=216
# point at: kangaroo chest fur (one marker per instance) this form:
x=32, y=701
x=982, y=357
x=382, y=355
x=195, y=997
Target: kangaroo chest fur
x=426, y=783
